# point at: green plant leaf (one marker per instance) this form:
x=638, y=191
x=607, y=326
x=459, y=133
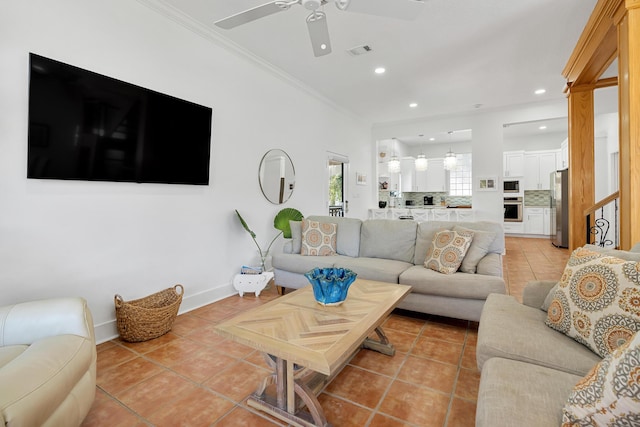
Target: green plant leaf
x=281, y=221
x=244, y=224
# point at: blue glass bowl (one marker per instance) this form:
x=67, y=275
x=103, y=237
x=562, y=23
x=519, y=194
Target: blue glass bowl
x=330, y=285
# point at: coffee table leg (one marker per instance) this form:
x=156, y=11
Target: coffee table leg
x=284, y=404
x=382, y=345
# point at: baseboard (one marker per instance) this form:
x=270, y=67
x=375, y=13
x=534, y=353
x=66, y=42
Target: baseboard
x=108, y=330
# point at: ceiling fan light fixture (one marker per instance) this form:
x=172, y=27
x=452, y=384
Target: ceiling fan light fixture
x=311, y=4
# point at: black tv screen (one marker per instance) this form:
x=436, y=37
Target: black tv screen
x=86, y=126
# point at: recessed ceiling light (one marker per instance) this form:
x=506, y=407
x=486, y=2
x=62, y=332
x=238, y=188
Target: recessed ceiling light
x=432, y=139
x=380, y=70
x=413, y=105
x=543, y=127
x=540, y=91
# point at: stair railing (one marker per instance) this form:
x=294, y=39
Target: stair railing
x=600, y=219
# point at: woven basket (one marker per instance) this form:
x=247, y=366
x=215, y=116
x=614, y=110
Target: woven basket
x=149, y=317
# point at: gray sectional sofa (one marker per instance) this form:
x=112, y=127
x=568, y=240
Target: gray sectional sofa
x=394, y=251
x=527, y=368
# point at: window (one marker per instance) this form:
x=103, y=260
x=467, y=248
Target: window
x=460, y=183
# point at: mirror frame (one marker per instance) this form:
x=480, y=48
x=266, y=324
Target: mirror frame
x=287, y=177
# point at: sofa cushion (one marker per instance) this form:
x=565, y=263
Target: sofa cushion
x=297, y=263
x=10, y=352
x=296, y=236
x=610, y=393
x=318, y=238
x=597, y=301
x=348, y=241
x=382, y=270
x=480, y=245
x=427, y=229
x=447, y=250
x=512, y=330
x=460, y=285
x=513, y=393
x=388, y=239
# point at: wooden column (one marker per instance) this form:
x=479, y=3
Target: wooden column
x=581, y=161
x=629, y=108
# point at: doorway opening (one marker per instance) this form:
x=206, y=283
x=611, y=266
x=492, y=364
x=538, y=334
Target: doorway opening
x=337, y=167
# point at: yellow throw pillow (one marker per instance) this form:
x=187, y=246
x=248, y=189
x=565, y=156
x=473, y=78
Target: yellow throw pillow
x=597, y=301
x=318, y=238
x=447, y=250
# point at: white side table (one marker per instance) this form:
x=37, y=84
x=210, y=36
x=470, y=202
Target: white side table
x=251, y=282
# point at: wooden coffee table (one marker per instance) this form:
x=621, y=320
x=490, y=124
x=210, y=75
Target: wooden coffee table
x=307, y=344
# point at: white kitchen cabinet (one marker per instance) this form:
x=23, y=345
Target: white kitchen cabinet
x=537, y=169
x=563, y=157
x=422, y=180
x=435, y=175
x=513, y=163
x=513, y=227
x=534, y=220
x=546, y=221
x=407, y=174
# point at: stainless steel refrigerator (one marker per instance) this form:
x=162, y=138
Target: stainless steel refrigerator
x=560, y=208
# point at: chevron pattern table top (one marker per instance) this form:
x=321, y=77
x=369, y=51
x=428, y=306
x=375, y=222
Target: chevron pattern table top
x=296, y=328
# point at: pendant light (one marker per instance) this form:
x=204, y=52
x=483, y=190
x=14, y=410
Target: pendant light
x=421, y=161
x=394, y=163
x=450, y=159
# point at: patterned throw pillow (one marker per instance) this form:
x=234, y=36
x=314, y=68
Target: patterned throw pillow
x=597, y=302
x=447, y=250
x=318, y=238
x=610, y=394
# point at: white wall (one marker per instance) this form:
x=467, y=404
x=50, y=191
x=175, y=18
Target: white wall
x=535, y=142
x=94, y=239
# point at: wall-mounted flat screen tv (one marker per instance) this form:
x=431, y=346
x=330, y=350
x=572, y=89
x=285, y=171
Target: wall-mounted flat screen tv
x=86, y=126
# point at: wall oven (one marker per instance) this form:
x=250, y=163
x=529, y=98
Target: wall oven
x=513, y=209
x=511, y=185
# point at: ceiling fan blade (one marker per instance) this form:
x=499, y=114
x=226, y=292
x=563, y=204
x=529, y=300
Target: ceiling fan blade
x=319, y=33
x=250, y=15
x=400, y=9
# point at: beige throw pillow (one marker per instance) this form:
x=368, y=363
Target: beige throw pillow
x=318, y=238
x=447, y=250
x=597, y=302
x=610, y=394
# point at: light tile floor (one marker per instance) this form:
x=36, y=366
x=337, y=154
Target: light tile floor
x=193, y=377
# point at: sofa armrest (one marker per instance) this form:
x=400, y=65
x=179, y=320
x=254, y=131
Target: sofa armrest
x=28, y=322
x=490, y=265
x=536, y=291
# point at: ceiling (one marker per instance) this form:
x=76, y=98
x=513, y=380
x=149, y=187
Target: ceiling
x=456, y=56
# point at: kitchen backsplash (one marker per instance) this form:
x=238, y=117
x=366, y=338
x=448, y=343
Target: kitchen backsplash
x=541, y=198
x=532, y=198
x=418, y=199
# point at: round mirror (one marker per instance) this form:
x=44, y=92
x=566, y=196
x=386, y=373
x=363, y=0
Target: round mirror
x=277, y=176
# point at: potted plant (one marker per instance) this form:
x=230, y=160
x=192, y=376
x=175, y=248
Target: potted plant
x=280, y=222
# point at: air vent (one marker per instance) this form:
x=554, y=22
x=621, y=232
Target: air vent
x=359, y=50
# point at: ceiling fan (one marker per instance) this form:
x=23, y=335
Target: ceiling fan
x=317, y=20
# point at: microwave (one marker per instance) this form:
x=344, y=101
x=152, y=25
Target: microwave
x=511, y=185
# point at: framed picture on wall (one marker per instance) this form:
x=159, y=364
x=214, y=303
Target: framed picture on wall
x=361, y=178
x=488, y=183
